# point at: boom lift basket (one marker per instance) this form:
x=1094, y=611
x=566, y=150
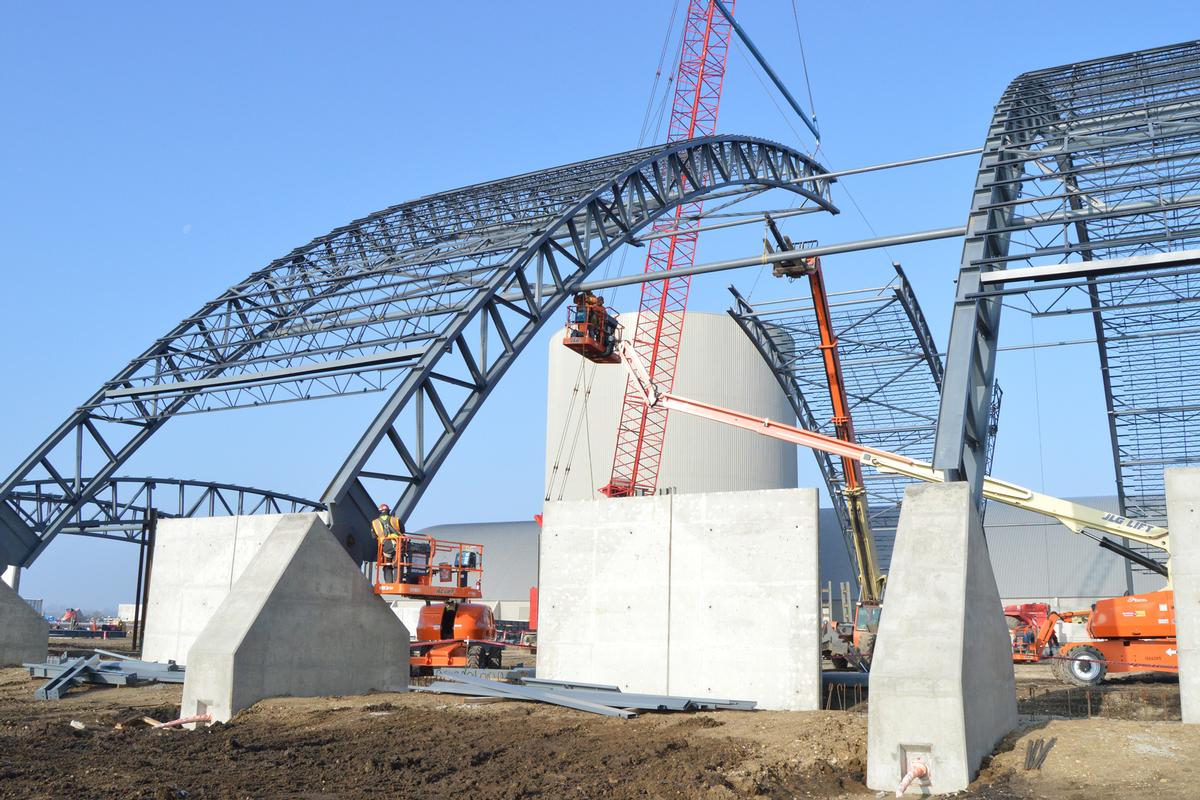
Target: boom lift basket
x=429, y=569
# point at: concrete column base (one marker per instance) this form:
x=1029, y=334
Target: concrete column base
x=301, y=621
x=1183, y=520
x=23, y=633
x=942, y=684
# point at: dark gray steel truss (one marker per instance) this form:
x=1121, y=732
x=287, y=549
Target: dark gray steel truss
x=121, y=511
x=1083, y=164
x=430, y=300
x=892, y=372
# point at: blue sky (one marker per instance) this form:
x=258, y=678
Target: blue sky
x=152, y=154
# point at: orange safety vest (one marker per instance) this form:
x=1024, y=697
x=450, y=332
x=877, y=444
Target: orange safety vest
x=386, y=526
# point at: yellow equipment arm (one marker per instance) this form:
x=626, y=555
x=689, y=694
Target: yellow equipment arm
x=1073, y=515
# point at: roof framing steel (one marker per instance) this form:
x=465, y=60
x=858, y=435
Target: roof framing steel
x=893, y=374
x=1091, y=169
x=429, y=301
x=121, y=510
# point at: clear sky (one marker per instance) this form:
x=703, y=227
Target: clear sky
x=152, y=154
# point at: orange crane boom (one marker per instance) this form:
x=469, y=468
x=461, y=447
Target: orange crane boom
x=870, y=576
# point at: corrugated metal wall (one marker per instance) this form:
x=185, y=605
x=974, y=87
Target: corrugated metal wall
x=717, y=364
x=510, y=555
x=1034, y=559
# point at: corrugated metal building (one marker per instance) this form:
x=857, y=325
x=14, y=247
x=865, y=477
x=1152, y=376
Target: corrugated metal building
x=1034, y=558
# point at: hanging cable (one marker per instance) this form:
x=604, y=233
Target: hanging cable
x=804, y=61
x=662, y=57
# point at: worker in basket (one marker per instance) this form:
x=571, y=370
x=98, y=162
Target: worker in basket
x=590, y=322
x=387, y=530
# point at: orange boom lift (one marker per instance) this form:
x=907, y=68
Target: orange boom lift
x=1135, y=633
x=450, y=632
x=870, y=577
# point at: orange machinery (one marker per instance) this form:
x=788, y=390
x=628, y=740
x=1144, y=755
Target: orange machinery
x=871, y=579
x=450, y=632
x=1134, y=633
x=591, y=330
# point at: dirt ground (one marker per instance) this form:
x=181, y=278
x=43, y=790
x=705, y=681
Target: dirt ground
x=425, y=746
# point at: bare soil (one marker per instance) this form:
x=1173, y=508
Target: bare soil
x=427, y=746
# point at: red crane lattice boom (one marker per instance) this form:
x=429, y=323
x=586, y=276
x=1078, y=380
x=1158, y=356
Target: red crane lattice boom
x=642, y=429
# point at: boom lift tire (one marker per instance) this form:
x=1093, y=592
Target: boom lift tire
x=1058, y=668
x=475, y=656
x=1084, y=666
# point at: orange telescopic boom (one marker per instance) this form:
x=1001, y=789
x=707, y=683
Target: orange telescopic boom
x=870, y=576
x=1131, y=633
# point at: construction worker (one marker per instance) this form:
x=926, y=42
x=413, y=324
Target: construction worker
x=387, y=530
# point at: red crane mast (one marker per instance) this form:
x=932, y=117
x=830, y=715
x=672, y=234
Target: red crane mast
x=642, y=429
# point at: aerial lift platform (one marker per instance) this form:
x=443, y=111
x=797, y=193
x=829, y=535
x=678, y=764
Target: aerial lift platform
x=451, y=631
x=1134, y=633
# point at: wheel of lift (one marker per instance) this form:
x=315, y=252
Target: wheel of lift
x=1085, y=666
x=475, y=656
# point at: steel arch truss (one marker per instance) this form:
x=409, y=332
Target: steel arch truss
x=893, y=376
x=429, y=300
x=1088, y=170
x=121, y=511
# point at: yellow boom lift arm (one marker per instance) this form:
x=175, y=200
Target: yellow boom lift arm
x=1078, y=518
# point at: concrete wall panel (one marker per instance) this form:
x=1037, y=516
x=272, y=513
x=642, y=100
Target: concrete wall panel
x=603, y=592
x=744, y=580
x=646, y=592
x=301, y=621
x=196, y=562
x=23, y=633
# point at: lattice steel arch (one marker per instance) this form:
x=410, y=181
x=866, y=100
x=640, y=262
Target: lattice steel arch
x=893, y=375
x=431, y=300
x=1089, y=162
x=120, y=512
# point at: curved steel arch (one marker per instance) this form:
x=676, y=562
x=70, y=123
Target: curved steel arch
x=431, y=300
x=1085, y=163
x=121, y=510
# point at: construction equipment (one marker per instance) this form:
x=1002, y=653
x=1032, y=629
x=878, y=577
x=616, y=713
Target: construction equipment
x=450, y=632
x=1024, y=625
x=591, y=330
x=1131, y=633
x=870, y=577
x=642, y=429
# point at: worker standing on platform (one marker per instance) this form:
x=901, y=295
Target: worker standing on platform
x=388, y=530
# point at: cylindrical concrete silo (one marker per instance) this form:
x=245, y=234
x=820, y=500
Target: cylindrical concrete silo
x=717, y=364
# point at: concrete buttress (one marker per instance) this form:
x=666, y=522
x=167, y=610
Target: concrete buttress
x=23, y=633
x=301, y=621
x=1183, y=520
x=941, y=680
